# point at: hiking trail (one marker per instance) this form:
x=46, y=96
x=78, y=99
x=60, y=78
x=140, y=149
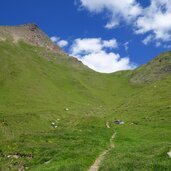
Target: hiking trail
x=100, y=158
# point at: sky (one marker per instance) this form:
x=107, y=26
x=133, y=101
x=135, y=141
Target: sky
x=106, y=35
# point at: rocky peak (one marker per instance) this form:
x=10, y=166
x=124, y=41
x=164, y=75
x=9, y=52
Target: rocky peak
x=29, y=33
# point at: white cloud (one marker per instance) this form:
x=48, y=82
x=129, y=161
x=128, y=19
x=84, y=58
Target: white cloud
x=93, y=53
x=59, y=42
x=91, y=45
x=111, y=24
x=126, y=46
x=153, y=20
x=106, y=62
x=86, y=46
x=110, y=43
x=62, y=43
x=55, y=39
x=126, y=10
x=148, y=39
x=158, y=44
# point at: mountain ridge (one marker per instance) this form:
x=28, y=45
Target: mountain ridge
x=29, y=33
x=158, y=68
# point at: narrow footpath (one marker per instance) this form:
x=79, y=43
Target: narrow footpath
x=100, y=158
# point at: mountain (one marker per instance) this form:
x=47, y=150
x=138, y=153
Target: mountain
x=57, y=114
x=156, y=69
x=29, y=33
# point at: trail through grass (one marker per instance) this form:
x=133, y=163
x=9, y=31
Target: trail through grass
x=37, y=86
x=100, y=158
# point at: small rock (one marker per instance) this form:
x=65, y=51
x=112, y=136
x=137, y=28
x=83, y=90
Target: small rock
x=119, y=122
x=15, y=156
x=134, y=123
x=53, y=123
x=21, y=168
x=47, y=162
x=169, y=154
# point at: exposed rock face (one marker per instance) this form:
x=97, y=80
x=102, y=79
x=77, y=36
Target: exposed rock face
x=29, y=33
x=32, y=27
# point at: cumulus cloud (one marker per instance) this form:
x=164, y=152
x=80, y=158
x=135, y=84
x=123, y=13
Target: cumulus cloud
x=156, y=21
x=93, y=52
x=55, y=39
x=110, y=43
x=91, y=45
x=153, y=20
x=59, y=42
x=62, y=43
x=106, y=62
x=126, y=10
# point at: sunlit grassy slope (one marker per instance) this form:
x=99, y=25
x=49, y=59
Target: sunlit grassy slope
x=36, y=89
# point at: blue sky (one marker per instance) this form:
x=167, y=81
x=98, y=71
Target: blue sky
x=107, y=35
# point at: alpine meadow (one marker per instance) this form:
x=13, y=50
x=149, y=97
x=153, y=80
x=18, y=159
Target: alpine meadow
x=56, y=114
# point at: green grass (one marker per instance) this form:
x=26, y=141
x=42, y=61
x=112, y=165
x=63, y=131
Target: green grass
x=156, y=69
x=144, y=144
x=35, y=89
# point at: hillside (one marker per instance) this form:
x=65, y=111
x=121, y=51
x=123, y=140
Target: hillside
x=29, y=33
x=156, y=69
x=54, y=111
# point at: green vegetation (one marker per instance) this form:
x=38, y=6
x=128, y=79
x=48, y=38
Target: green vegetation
x=156, y=69
x=38, y=88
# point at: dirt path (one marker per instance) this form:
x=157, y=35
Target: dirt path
x=107, y=125
x=100, y=158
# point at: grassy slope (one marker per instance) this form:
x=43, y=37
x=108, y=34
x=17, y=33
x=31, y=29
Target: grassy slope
x=144, y=144
x=35, y=89
x=156, y=69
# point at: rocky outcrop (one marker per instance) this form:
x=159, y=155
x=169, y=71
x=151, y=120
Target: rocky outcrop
x=29, y=33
